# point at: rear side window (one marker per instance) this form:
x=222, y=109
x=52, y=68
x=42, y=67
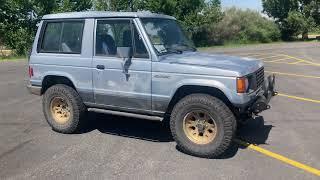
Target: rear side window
x=62, y=37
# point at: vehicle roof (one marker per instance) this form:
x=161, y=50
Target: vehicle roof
x=107, y=14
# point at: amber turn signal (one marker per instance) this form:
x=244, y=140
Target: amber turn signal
x=242, y=85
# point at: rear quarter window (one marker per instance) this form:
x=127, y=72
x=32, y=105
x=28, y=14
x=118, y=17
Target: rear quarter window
x=62, y=37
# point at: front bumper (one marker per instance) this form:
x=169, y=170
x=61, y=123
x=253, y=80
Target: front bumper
x=34, y=89
x=261, y=102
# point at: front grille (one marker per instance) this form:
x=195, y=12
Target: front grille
x=259, y=77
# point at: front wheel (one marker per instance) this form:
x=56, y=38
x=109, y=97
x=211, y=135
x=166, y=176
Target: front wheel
x=202, y=125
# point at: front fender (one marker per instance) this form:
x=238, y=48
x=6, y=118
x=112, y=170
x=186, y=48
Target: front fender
x=226, y=85
x=205, y=83
x=164, y=87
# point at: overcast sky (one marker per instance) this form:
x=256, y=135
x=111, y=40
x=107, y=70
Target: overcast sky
x=251, y=4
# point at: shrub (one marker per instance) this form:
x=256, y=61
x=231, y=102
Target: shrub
x=244, y=26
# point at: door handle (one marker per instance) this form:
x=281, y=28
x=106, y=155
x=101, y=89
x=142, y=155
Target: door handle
x=100, y=67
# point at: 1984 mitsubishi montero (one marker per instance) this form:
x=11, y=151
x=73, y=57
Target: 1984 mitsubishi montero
x=141, y=64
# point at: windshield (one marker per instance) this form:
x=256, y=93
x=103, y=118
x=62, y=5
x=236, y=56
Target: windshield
x=167, y=36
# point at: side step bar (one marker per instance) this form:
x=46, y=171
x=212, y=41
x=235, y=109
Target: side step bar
x=118, y=113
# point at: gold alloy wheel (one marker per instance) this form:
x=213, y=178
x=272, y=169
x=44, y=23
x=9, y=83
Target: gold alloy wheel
x=60, y=110
x=199, y=127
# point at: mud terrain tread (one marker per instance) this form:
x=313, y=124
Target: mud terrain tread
x=79, y=109
x=214, y=105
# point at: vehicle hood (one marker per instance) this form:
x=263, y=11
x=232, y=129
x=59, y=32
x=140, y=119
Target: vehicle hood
x=241, y=65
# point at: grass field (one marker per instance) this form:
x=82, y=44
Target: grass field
x=12, y=58
x=8, y=55
x=312, y=38
x=238, y=45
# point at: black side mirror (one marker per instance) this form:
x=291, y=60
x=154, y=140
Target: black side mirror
x=124, y=52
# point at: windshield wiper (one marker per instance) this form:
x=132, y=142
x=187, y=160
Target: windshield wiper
x=188, y=46
x=177, y=51
x=193, y=49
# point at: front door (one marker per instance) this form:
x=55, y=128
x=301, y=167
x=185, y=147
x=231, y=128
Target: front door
x=115, y=87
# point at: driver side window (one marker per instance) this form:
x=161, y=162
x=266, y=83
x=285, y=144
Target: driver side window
x=111, y=34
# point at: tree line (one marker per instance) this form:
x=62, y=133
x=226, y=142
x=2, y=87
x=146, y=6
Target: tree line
x=294, y=17
x=204, y=20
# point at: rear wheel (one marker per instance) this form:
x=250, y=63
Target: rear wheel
x=202, y=125
x=63, y=109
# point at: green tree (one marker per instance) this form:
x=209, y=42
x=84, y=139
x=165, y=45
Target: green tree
x=16, y=25
x=295, y=24
x=200, y=23
x=73, y=5
x=159, y=6
x=195, y=15
x=45, y=7
x=18, y=19
x=111, y=5
x=311, y=10
x=289, y=12
x=279, y=9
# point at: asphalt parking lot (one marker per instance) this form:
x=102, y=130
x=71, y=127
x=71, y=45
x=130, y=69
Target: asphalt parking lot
x=283, y=143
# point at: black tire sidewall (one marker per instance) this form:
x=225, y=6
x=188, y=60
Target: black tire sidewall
x=205, y=147
x=204, y=103
x=66, y=93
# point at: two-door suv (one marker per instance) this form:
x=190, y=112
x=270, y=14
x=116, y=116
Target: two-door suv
x=142, y=65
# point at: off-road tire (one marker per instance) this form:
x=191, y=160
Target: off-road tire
x=224, y=118
x=78, y=109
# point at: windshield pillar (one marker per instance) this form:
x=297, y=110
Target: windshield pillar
x=144, y=35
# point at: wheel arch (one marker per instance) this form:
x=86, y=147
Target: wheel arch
x=52, y=79
x=186, y=90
